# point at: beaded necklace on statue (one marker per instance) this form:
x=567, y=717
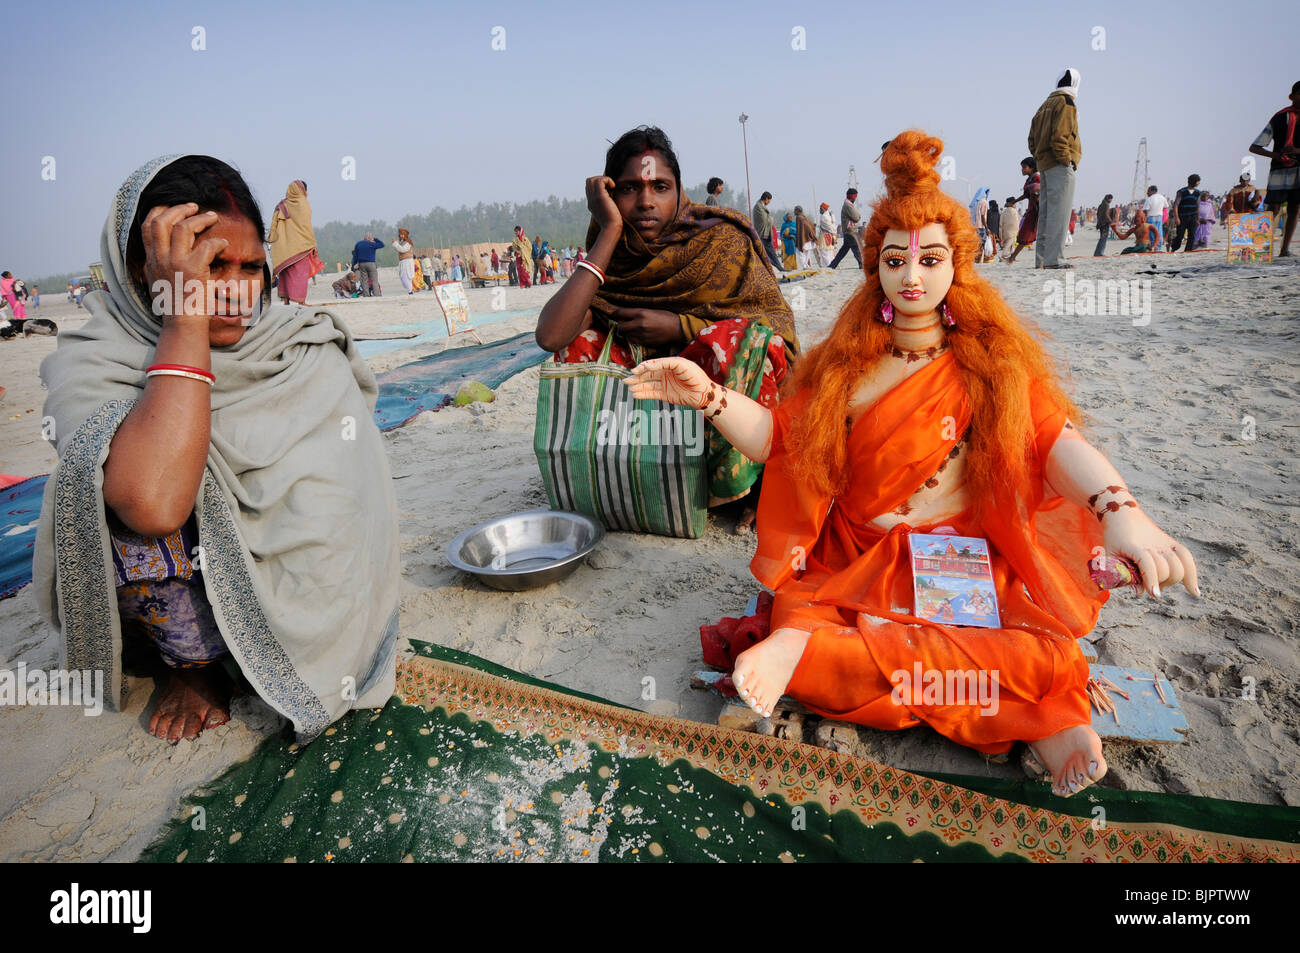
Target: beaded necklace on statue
x=915, y=354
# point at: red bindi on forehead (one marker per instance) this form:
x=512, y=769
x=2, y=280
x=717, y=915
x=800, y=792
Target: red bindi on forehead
x=245, y=244
x=649, y=168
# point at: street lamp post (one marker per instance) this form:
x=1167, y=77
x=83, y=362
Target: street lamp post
x=749, y=196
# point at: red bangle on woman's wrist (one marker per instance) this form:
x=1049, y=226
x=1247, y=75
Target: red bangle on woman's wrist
x=187, y=368
x=594, y=269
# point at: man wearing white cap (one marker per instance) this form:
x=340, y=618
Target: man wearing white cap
x=1054, y=143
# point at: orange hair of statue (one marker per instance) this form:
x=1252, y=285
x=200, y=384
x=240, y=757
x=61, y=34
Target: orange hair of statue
x=996, y=355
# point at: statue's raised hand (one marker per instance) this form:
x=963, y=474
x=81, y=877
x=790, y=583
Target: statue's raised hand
x=672, y=379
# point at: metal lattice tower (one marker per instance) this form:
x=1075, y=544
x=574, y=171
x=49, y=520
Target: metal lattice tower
x=1141, y=169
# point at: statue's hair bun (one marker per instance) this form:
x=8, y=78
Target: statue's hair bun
x=909, y=163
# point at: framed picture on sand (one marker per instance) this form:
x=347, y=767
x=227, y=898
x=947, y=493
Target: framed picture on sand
x=455, y=309
x=1250, y=237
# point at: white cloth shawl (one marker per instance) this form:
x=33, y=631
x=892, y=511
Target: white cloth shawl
x=1071, y=87
x=296, y=513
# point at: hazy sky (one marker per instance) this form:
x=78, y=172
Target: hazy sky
x=433, y=115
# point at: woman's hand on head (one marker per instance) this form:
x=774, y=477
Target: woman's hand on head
x=672, y=379
x=1161, y=560
x=648, y=327
x=172, y=254
x=600, y=202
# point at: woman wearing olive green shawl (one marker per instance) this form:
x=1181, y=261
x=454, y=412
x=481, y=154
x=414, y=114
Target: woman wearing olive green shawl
x=674, y=277
x=292, y=243
x=295, y=511
x=706, y=267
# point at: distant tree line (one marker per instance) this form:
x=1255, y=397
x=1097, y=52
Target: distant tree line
x=558, y=221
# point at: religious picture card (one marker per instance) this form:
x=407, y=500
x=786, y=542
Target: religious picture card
x=952, y=580
x=1250, y=237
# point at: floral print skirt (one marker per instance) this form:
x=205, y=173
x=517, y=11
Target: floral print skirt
x=176, y=615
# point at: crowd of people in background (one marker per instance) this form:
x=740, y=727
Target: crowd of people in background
x=802, y=243
x=1048, y=222
x=522, y=264
x=1048, y=219
x=1184, y=222
x=1042, y=215
x=1155, y=223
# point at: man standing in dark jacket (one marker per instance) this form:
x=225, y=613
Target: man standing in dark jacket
x=1185, y=213
x=1054, y=143
x=850, y=224
x=363, y=263
x=1106, y=217
x=762, y=220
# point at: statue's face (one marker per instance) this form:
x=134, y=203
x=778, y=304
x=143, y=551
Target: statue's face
x=916, y=269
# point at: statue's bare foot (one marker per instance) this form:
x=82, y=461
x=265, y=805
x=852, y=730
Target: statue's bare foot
x=1073, y=755
x=763, y=672
x=193, y=699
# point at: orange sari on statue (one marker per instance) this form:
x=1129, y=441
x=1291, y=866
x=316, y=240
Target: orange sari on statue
x=849, y=584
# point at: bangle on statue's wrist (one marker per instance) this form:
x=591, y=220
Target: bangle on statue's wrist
x=1114, y=507
x=1116, y=504
x=709, y=396
x=714, y=393
x=1112, y=490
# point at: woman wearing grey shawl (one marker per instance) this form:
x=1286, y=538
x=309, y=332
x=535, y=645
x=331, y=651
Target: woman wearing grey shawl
x=214, y=417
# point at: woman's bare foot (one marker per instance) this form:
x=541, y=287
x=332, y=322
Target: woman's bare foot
x=1073, y=755
x=193, y=699
x=763, y=672
x=745, y=524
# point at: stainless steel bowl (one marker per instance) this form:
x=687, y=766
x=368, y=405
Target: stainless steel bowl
x=525, y=550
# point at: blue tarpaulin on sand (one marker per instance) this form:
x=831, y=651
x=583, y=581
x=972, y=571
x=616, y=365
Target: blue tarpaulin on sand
x=19, y=513
x=426, y=384
x=431, y=382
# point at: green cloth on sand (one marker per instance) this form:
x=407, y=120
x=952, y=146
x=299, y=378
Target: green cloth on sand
x=474, y=762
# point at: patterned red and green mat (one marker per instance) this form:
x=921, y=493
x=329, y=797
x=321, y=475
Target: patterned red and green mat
x=471, y=761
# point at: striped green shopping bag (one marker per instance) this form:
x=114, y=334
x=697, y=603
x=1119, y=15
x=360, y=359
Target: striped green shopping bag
x=634, y=465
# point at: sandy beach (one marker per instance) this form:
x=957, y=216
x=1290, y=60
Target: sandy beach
x=1194, y=404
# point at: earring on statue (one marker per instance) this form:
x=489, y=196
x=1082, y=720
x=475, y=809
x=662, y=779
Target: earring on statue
x=887, y=312
x=946, y=313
